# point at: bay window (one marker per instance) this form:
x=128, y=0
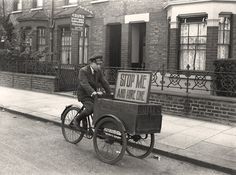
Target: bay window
x=193, y=38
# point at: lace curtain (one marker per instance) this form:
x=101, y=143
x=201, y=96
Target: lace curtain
x=193, y=45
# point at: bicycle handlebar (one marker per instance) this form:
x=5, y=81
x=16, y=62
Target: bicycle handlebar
x=104, y=95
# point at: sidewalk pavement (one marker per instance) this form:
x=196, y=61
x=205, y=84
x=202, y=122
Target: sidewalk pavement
x=204, y=143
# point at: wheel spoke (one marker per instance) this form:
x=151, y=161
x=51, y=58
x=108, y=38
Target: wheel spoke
x=107, y=145
x=140, y=146
x=70, y=134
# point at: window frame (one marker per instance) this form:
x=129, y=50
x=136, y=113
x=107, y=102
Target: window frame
x=41, y=37
x=65, y=46
x=16, y=4
x=67, y=2
x=191, y=19
x=85, y=48
x=225, y=15
x=35, y=4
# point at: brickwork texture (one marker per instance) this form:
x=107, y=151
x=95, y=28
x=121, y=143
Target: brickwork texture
x=28, y=81
x=219, y=109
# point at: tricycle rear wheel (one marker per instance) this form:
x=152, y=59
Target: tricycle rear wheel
x=140, y=146
x=109, y=140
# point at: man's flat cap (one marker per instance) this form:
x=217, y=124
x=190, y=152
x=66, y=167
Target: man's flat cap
x=95, y=57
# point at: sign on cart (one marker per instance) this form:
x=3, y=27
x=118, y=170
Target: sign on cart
x=133, y=86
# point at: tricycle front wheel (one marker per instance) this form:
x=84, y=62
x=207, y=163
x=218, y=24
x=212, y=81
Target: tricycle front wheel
x=109, y=140
x=140, y=146
x=69, y=132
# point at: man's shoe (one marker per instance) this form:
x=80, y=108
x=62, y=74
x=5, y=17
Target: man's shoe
x=101, y=134
x=76, y=125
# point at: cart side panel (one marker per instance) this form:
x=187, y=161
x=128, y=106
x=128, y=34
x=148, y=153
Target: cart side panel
x=137, y=118
x=125, y=111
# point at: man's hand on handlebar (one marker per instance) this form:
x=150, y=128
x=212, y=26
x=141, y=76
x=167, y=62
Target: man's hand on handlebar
x=99, y=93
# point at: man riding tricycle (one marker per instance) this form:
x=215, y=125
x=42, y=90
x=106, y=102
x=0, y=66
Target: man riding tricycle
x=125, y=122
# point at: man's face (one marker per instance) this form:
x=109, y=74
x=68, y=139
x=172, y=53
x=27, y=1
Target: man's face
x=97, y=64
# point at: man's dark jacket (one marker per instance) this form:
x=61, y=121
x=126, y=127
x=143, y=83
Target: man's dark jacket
x=88, y=83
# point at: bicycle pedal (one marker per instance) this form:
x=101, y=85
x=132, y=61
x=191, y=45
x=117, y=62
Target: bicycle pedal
x=88, y=135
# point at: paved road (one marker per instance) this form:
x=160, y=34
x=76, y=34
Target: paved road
x=33, y=147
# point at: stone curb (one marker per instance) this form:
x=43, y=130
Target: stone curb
x=155, y=150
x=195, y=161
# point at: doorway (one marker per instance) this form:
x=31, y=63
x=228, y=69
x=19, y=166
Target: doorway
x=137, y=45
x=114, y=33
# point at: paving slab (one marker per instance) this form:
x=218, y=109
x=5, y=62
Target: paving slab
x=180, y=140
x=201, y=132
x=204, y=143
x=209, y=149
x=231, y=131
x=223, y=139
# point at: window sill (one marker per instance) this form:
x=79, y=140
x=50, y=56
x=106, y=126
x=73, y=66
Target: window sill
x=99, y=1
x=71, y=5
x=38, y=8
x=15, y=12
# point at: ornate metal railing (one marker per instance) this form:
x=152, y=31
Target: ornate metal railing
x=215, y=83
x=188, y=81
x=29, y=67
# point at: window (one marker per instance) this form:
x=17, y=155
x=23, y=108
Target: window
x=98, y=1
x=193, y=36
x=37, y=3
x=41, y=39
x=17, y=5
x=69, y=2
x=224, y=37
x=83, y=47
x=26, y=38
x=65, y=45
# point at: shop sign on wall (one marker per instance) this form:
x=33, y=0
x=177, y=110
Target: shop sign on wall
x=77, y=22
x=133, y=86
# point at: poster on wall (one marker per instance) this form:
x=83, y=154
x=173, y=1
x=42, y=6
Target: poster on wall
x=77, y=22
x=133, y=86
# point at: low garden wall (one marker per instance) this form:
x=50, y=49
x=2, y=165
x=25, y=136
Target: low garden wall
x=42, y=83
x=206, y=107
x=202, y=106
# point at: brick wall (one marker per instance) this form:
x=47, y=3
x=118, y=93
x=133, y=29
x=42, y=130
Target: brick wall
x=97, y=37
x=205, y=107
x=114, y=12
x=173, y=49
x=211, y=47
x=74, y=47
x=156, y=40
x=28, y=81
x=124, y=46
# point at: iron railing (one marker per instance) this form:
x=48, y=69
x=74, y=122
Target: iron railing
x=29, y=67
x=187, y=81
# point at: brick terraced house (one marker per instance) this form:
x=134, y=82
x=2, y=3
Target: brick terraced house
x=130, y=33
x=143, y=34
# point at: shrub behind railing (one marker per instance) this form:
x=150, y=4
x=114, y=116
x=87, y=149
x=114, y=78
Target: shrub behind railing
x=225, y=77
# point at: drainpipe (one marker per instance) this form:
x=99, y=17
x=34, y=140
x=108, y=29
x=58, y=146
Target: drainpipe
x=3, y=9
x=51, y=31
